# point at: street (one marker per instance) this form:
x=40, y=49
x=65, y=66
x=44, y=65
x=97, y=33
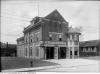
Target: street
x=75, y=65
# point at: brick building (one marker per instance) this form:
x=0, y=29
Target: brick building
x=49, y=37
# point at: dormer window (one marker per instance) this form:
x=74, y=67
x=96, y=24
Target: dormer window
x=35, y=20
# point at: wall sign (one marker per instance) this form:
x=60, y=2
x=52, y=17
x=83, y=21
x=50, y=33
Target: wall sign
x=55, y=43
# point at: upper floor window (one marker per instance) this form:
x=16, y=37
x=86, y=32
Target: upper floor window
x=76, y=42
x=31, y=39
x=25, y=39
x=55, y=36
x=76, y=37
x=70, y=37
x=71, y=42
x=73, y=36
x=60, y=37
x=76, y=48
x=26, y=52
x=50, y=36
x=30, y=51
x=37, y=36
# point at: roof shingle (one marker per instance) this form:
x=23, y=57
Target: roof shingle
x=90, y=43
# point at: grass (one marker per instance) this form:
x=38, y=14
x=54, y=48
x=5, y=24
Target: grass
x=18, y=62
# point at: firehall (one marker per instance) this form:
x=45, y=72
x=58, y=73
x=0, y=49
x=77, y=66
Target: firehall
x=49, y=37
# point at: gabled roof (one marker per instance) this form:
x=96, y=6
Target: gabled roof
x=90, y=43
x=53, y=16
x=56, y=16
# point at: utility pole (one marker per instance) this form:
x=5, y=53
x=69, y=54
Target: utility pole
x=38, y=7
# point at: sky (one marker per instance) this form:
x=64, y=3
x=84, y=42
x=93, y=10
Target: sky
x=17, y=14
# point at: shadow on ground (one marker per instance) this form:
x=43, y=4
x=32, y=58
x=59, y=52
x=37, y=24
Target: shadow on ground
x=92, y=58
x=16, y=63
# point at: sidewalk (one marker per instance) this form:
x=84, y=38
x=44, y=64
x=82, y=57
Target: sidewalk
x=31, y=69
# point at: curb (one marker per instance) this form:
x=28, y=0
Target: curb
x=30, y=69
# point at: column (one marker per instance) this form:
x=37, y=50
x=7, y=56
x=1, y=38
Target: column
x=72, y=52
x=56, y=53
x=78, y=52
x=67, y=52
x=45, y=53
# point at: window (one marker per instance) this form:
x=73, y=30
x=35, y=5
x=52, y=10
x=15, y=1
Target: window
x=84, y=49
x=26, y=52
x=55, y=37
x=70, y=48
x=78, y=37
x=70, y=52
x=38, y=36
x=87, y=49
x=95, y=49
x=50, y=36
x=30, y=51
x=31, y=39
x=73, y=37
x=75, y=52
x=76, y=48
x=70, y=37
x=71, y=42
x=76, y=42
x=60, y=37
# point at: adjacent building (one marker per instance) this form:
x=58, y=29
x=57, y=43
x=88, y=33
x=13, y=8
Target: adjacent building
x=20, y=47
x=89, y=48
x=49, y=37
x=8, y=49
